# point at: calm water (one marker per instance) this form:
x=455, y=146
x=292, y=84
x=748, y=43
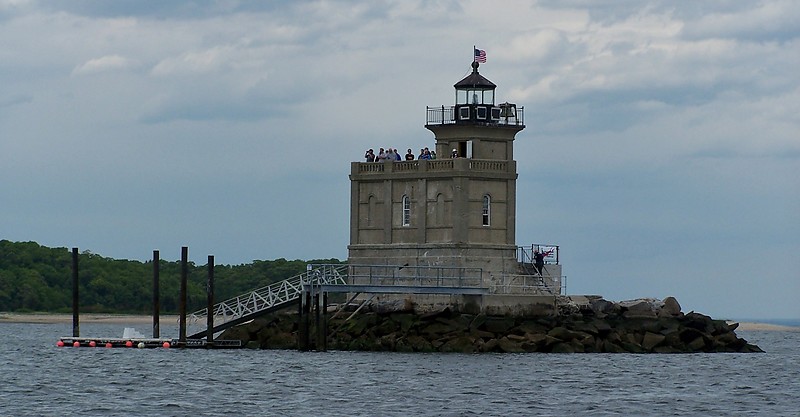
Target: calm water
x=40, y=379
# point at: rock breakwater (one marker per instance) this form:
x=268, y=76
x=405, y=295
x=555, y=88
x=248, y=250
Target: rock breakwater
x=590, y=325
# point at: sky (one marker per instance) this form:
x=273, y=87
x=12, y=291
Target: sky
x=661, y=149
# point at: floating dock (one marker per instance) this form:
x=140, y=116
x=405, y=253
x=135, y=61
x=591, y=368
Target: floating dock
x=118, y=342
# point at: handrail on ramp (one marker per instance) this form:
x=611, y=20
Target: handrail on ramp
x=261, y=301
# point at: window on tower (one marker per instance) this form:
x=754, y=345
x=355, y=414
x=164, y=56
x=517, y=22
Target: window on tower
x=406, y=211
x=487, y=210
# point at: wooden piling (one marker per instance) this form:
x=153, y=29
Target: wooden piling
x=210, y=304
x=156, y=296
x=76, y=327
x=324, y=328
x=304, y=325
x=182, y=301
x=317, y=322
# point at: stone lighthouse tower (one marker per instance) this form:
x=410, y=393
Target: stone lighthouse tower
x=458, y=210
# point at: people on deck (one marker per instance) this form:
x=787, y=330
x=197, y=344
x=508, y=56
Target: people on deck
x=391, y=154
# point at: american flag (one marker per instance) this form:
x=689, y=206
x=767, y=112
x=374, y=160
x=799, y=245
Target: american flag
x=480, y=55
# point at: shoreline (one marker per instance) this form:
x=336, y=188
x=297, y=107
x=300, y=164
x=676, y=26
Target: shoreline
x=755, y=326
x=56, y=318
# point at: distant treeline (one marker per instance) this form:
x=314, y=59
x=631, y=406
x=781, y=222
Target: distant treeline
x=35, y=278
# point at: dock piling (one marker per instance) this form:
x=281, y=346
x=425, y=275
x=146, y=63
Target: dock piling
x=156, y=297
x=304, y=328
x=182, y=301
x=76, y=327
x=323, y=346
x=210, y=305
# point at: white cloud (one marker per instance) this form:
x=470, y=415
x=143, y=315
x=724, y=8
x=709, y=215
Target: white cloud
x=775, y=19
x=207, y=61
x=104, y=64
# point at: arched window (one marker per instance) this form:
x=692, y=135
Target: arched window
x=406, y=211
x=487, y=210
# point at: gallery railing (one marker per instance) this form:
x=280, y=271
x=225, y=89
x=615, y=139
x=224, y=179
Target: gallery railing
x=502, y=115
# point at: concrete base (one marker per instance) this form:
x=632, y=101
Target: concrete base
x=519, y=305
x=489, y=304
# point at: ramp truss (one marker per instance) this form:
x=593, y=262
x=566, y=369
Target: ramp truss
x=273, y=297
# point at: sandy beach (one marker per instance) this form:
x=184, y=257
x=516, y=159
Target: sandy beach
x=84, y=318
x=747, y=326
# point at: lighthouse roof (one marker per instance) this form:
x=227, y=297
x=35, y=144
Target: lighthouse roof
x=475, y=80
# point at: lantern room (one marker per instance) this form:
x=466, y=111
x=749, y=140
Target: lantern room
x=475, y=98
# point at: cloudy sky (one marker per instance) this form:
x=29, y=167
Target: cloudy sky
x=662, y=148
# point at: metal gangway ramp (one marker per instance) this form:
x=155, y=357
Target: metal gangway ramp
x=275, y=296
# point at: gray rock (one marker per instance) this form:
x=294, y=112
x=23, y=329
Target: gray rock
x=602, y=306
x=641, y=304
x=507, y=345
x=563, y=334
x=671, y=306
x=498, y=324
x=563, y=348
x=651, y=340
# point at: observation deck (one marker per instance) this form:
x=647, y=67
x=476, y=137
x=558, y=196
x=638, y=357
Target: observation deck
x=431, y=168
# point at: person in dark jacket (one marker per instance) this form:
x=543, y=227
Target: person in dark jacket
x=538, y=259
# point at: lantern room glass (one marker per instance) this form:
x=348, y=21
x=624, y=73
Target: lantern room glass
x=474, y=96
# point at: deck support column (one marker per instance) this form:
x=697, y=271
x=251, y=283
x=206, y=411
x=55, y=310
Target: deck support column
x=317, y=322
x=304, y=325
x=323, y=345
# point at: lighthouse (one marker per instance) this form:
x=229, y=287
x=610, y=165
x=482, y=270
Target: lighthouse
x=456, y=211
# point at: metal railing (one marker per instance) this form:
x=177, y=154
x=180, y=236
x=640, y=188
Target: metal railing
x=446, y=115
x=254, y=303
x=525, y=253
x=274, y=295
x=417, y=276
x=512, y=284
x=438, y=165
x=281, y=293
